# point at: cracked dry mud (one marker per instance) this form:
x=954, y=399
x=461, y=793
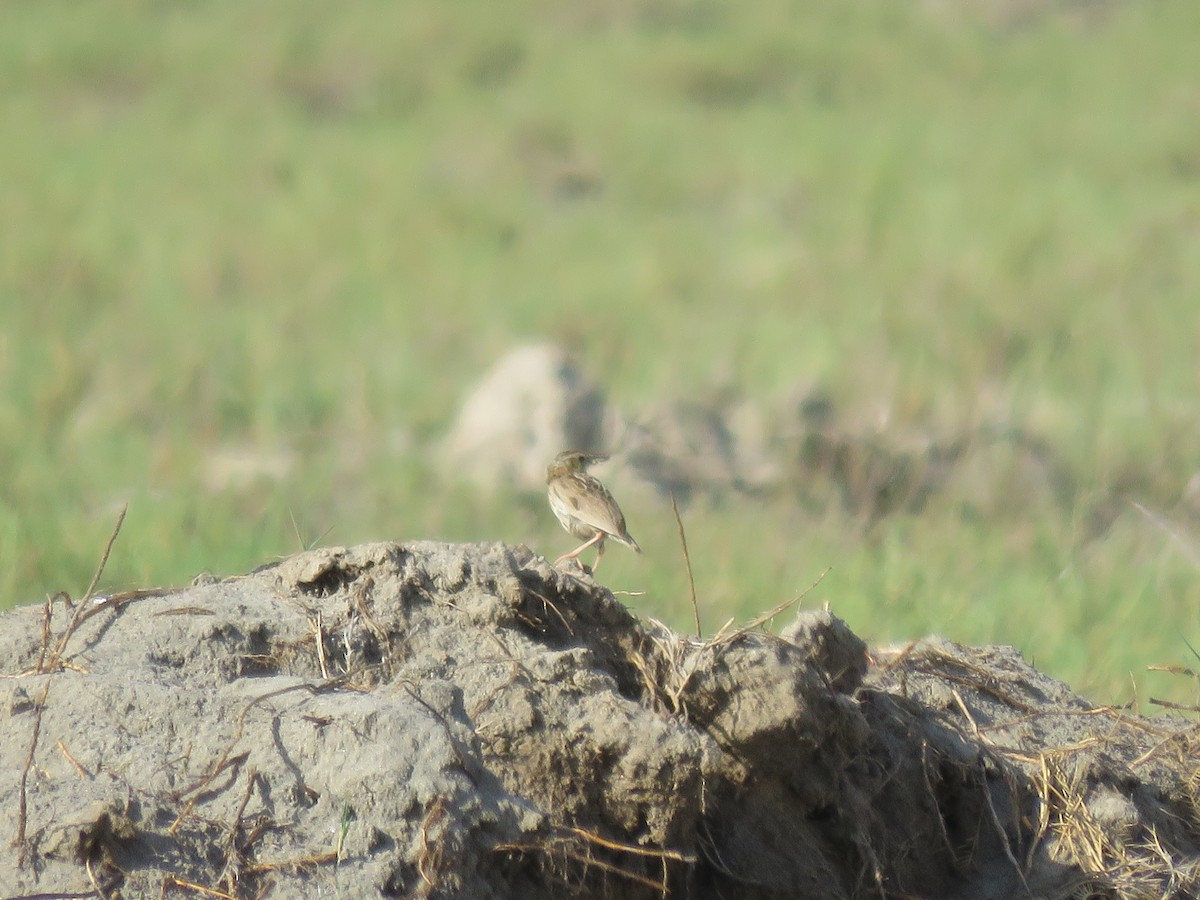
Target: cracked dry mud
x=436, y=720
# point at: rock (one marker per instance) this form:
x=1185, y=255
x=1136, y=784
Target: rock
x=711, y=447
x=534, y=403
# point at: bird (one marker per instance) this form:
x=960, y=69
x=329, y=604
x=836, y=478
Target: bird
x=584, y=506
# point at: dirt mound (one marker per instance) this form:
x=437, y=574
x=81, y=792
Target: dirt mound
x=464, y=721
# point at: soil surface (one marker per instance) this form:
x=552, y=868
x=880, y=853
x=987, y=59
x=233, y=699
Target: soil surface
x=435, y=720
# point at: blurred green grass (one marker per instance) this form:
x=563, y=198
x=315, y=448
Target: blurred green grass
x=300, y=232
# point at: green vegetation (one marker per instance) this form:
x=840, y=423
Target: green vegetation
x=300, y=231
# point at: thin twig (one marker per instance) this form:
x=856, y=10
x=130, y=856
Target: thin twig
x=549, y=605
x=100, y=892
x=768, y=616
x=1167, y=704
x=1043, y=811
x=586, y=860
x=230, y=876
x=1173, y=670
x=199, y=888
x=722, y=631
x=83, y=772
x=436, y=814
x=1180, y=541
x=304, y=862
x=47, y=615
x=634, y=849
x=81, y=610
x=1005, y=843
x=945, y=832
x=22, y=801
x=359, y=598
x=687, y=561
x=1190, y=647
x=112, y=539
x=318, y=627
x=49, y=664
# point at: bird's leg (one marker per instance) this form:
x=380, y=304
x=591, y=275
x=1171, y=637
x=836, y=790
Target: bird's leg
x=598, y=536
x=599, y=554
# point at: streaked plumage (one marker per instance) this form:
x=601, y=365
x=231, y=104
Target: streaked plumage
x=584, y=506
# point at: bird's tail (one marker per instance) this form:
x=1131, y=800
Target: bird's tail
x=628, y=541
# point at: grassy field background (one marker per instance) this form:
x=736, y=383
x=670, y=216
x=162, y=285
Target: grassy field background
x=295, y=234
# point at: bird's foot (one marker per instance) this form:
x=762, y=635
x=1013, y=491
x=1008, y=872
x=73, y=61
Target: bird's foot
x=572, y=565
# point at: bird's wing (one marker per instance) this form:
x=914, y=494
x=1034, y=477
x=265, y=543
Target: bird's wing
x=593, y=505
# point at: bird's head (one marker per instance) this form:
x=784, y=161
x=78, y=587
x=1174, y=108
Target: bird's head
x=572, y=462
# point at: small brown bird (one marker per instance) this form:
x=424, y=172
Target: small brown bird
x=583, y=505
